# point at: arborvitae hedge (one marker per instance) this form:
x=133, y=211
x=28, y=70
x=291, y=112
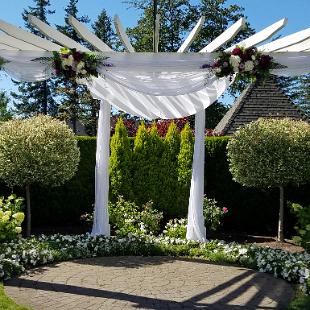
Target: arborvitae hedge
x=251, y=210
x=185, y=158
x=120, y=164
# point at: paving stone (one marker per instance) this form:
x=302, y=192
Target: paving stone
x=156, y=283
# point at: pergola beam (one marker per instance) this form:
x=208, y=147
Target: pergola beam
x=286, y=41
x=192, y=35
x=28, y=37
x=261, y=36
x=55, y=34
x=88, y=35
x=18, y=44
x=7, y=47
x=299, y=47
x=122, y=34
x=226, y=36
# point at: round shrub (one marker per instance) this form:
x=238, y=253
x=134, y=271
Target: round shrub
x=271, y=153
x=38, y=150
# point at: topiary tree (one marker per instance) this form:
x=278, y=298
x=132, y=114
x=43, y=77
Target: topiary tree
x=38, y=150
x=120, y=163
x=185, y=158
x=271, y=153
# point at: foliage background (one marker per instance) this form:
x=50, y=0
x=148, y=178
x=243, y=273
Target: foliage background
x=251, y=210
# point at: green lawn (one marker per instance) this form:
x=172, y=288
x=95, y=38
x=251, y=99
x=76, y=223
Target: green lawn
x=7, y=303
x=301, y=302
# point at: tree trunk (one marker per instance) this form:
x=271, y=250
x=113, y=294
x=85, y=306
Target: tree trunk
x=281, y=215
x=28, y=211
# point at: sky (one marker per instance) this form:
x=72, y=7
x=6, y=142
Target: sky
x=260, y=14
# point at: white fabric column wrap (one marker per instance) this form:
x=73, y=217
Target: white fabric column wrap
x=101, y=216
x=195, y=220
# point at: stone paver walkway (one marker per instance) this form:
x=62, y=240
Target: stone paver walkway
x=147, y=283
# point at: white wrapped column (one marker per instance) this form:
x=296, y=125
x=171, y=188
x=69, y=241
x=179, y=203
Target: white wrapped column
x=101, y=215
x=195, y=221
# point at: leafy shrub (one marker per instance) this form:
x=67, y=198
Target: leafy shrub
x=303, y=225
x=11, y=217
x=126, y=217
x=175, y=228
x=38, y=150
x=212, y=214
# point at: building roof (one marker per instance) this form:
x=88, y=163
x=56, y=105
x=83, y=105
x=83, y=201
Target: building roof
x=259, y=99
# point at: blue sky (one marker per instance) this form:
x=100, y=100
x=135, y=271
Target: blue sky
x=260, y=13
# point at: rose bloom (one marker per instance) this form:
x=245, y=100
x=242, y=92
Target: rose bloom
x=237, y=51
x=225, y=210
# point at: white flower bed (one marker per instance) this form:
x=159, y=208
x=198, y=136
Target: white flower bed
x=22, y=254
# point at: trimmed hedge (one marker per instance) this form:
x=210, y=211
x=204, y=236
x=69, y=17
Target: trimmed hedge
x=250, y=210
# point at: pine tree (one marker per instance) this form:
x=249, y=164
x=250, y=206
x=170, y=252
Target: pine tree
x=103, y=29
x=37, y=97
x=75, y=98
x=120, y=163
x=5, y=114
x=185, y=158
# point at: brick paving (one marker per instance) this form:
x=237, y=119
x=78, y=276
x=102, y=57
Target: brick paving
x=147, y=283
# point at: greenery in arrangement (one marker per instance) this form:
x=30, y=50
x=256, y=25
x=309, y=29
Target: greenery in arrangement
x=11, y=217
x=271, y=153
x=303, y=225
x=248, y=63
x=73, y=64
x=39, y=150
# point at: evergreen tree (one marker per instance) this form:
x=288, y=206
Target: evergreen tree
x=5, y=114
x=147, y=168
x=75, y=98
x=169, y=179
x=36, y=97
x=120, y=163
x=185, y=158
x=103, y=29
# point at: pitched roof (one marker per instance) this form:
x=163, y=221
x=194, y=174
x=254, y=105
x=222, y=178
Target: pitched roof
x=259, y=99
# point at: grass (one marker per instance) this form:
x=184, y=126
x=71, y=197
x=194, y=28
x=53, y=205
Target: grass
x=8, y=304
x=300, y=302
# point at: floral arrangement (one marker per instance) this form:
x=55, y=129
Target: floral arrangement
x=16, y=256
x=249, y=63
x=11, y=217
x=72, y=63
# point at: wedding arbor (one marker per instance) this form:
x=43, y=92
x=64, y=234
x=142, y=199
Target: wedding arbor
x=148, y=85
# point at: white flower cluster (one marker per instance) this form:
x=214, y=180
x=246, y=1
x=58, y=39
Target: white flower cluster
x=77, y=66
x=22, y=254
x=236, y=62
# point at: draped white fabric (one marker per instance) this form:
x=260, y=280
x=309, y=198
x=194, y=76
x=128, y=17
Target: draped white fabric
x=162, y=74
x=152, y=107
x=101, y=215
x=195, y=220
